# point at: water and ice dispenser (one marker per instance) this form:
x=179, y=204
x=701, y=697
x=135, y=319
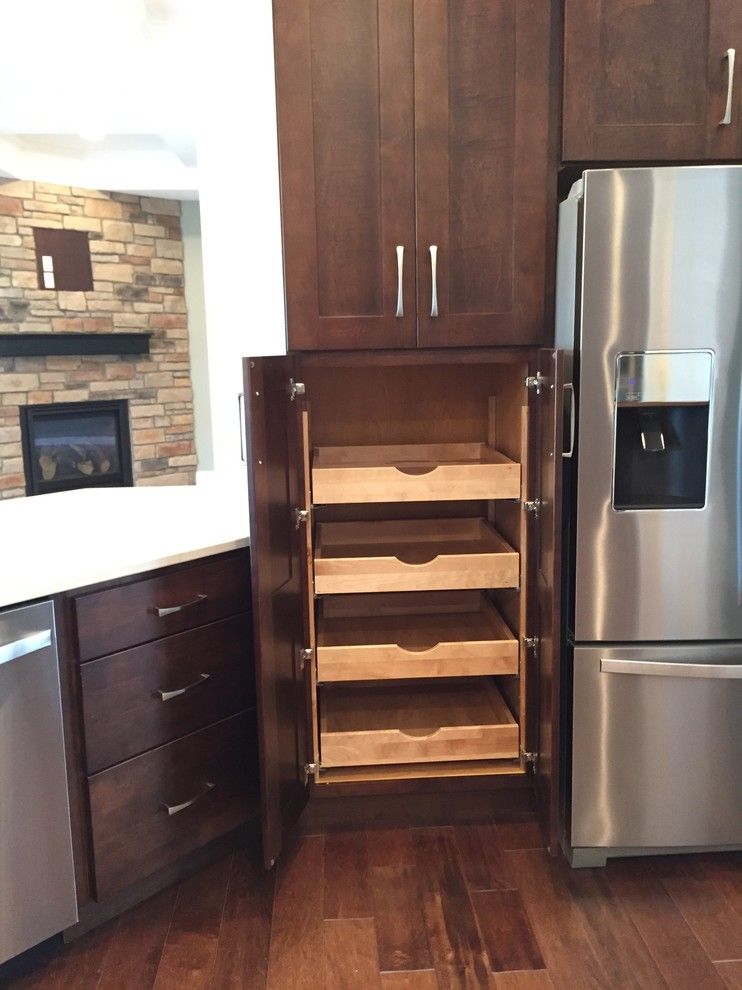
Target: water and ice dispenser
x=661, y=429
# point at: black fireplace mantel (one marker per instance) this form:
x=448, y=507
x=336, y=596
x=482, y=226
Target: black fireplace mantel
x=72, y=344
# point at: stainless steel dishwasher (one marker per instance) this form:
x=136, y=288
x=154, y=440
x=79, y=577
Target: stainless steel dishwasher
x=37, y=885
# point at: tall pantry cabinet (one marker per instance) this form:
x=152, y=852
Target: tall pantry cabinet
x=404, y=467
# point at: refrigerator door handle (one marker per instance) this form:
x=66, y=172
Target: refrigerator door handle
x=655, y=668
x=23, y=647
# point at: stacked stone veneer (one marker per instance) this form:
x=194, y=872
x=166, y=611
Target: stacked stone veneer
x=137, y=258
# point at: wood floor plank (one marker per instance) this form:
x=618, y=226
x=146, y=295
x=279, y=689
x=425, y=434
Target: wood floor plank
x=296, y=953
x=506, y=930
x=458, y=951
x=556, y=921
x=421, y=979
x=190, y=948
x=351, y=956
x=80, y=965
x=347, y=888
x=731, y=973
x=710, y=915
x=481, y=857
x=244, y=939
x=612, y=935
x=134, y=955
x=536, y=979
x=522, y=833
x=674, y=948
x=397, y=901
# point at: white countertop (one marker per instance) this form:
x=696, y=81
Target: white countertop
x=54, y=543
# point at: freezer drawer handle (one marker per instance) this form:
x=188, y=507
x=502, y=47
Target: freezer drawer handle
x=657, y=668
x=729, y=55
x=22, y=647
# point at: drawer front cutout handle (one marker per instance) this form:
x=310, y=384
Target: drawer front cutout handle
x=433, y=279
x=416, y=470
x=176, y=693
x=730, y=56
x=416, y=558
x=400, y=281
x=162, y=612
x=175, y=809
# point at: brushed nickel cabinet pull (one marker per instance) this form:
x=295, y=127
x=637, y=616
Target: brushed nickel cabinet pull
x=433, y=279
x=174, y=809
x=162, y=612
x=730, y=56
x=176, y=693
x=400, y=281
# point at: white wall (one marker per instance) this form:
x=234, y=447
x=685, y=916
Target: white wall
x=190, y=221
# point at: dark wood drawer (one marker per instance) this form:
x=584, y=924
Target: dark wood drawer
x=179, y=599
x=131, y=701
x=208, y=780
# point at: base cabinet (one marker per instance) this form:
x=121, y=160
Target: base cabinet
x=396, y=628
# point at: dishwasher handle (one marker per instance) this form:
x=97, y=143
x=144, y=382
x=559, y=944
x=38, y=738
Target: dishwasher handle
x=669, y=668
x=23, y=647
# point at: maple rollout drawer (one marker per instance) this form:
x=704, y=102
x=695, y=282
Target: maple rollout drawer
x=418, y=723
x=142, y=697
x=417, y=634
x=151, y=607
x=412, y=555
x=412, y=473
x=155, y=808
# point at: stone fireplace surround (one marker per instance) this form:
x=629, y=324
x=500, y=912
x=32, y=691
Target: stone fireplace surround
x=137, y=258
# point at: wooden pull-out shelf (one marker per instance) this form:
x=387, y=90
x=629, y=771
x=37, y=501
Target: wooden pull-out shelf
x=421, y=723
x=387, y=637
x=412, y=555
x=412, y=473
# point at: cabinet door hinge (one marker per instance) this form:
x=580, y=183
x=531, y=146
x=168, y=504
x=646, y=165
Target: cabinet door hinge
x=534, y=506
x=530, y=760
x=532, y=643
x=537, y=382
x=296, y=388
x=306, y=656
x=309, y=770
x=300, y=516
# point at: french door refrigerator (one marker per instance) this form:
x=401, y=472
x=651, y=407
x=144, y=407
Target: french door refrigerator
x=649, y=313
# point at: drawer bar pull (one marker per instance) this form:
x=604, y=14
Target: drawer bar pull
x=167, y=695
x=174, y=809
x=162, y=612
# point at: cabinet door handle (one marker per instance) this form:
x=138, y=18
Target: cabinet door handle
x=173, y=809
x=730, y=56
x=176, y=693
x=433, y=279
x=400, y=281
x=241, y=415
x=569, y=387
x=162, y=612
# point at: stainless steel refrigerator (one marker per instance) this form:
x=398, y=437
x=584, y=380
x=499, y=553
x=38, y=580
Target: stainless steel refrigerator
x=649, y=312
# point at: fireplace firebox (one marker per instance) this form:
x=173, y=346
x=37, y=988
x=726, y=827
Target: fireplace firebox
x=76, y=445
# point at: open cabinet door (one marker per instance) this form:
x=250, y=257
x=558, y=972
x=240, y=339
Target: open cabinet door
x=548, y=457
x=276, y=487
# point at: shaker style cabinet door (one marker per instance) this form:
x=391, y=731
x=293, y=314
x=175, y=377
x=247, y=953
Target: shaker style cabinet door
x=651, y=80
x=481, y=150
x=344, y=78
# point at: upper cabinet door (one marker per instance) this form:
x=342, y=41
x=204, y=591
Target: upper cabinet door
x=481, y=151
x=648, y=80
x=344, y=77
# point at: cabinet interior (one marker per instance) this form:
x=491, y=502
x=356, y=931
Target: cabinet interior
x=417, y=556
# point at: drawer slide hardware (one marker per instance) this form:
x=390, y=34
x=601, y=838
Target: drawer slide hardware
x=296, y=389
x=168, y=695
x=530, y=759
x=536, y=382
x=162, y=612
x=534, y=506
x=300, y=516
x=309, y=770
x=305, y=656
x=174, y=809
x=532, y=644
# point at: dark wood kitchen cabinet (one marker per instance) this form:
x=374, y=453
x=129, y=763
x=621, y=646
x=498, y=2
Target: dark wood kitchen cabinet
x=404, y=520
x=413, y=142
x=650, y=80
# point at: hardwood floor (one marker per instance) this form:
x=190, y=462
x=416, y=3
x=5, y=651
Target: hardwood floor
x=468, y=906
